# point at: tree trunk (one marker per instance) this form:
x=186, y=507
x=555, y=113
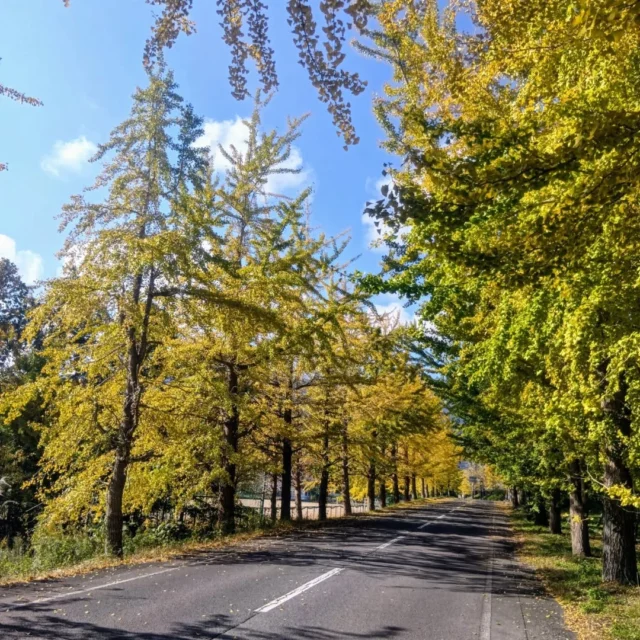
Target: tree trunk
x=274, y=496
x=371, y=485
x=424, y=488
x=136, y=354
x=555, y=518
x=383, y=492
x=324, y=476
x=115, y=491
x=514, y=498
x=226, y=515
x=540, y=515
x=394, y=475
x=578, y=514
x=346, y=488
x=414, y=489
x=298, y=490
x=407, y=479
x=618, y=533
x=287, y=463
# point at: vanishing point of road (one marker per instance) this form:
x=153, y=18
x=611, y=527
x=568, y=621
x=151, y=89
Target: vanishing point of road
x=441, y=571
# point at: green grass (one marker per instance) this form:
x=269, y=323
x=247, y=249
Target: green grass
x=593, y=610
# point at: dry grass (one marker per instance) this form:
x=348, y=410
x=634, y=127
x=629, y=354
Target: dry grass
x=595, y=611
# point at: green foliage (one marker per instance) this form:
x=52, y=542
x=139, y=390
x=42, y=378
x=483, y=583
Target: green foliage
x=597, y=611
x=513, y=220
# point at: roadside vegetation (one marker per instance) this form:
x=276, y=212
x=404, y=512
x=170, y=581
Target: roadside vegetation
x=595, y=611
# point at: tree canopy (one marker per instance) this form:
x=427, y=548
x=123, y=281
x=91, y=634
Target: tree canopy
x=519, y=191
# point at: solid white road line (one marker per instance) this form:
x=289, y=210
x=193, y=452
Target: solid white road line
x=296, y=592
x=485, y=622
x=388, y=544
x=67, y=594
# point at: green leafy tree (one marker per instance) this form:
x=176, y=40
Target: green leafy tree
x=519, y=191
x=105, y=318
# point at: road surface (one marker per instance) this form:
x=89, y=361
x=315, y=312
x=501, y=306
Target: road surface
x=444, y=571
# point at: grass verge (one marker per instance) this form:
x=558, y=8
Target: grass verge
x=593, y=610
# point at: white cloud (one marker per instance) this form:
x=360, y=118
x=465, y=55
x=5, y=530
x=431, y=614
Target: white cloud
x=68, y=156
x=381, y=182
x=29, y=263
x=374, y=186
x=394, y=310
x=373, y=234
x=227, y=133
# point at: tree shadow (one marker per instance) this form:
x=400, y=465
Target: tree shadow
x=451, y=554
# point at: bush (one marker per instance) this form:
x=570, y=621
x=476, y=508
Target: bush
x=161, y=535
x=51, y=551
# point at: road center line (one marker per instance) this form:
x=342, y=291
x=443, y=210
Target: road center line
x=444, y=515
x=68, y=594
x=296, y=592
x=388, y=544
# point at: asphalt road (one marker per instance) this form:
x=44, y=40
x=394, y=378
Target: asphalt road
x=439, y=572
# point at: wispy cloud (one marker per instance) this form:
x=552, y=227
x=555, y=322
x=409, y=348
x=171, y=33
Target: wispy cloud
x=393, y=308
x=234, y=133
x=28, y=262
x=68, y=157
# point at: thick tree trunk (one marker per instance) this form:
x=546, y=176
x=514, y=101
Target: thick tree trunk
x=274, y=496
x=515, y=503
x=298, y=490
x=371, y=485
x=414, y=489
x=137, y=345
x=578, y=514
x=226, y=514
x=618, y=534
x=619, y=562
x=324, y=477
x=346, y=487
x=540, y=514
x=287, y=464
x=383, y=492
x=555, y=517
x=115, y=492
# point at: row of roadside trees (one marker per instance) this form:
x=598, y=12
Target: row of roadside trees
x=202, y=334
x=514, y=220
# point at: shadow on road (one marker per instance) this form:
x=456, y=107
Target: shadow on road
x=451, y=554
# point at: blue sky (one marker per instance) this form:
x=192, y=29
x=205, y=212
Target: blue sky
x=84, y=63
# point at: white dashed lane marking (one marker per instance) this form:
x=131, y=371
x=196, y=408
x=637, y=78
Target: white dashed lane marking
x=388, y=544
x=296, y=592
x=444, y=515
